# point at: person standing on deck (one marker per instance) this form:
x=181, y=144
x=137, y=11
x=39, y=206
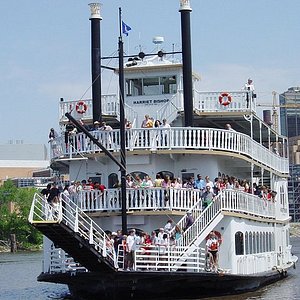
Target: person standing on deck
x=131, y=242
x=200, y=184
x=212, y=248
x=189, y=220
x=249, y=87
x=208, y=196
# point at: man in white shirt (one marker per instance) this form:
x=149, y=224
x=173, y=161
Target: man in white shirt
x=131, y=242
x=165, y=133
x=249, y=87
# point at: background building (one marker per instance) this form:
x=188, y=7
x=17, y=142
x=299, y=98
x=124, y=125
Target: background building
x=22, y=160
x=289, y=103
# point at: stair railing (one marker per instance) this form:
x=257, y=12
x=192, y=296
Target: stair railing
x=72, y=216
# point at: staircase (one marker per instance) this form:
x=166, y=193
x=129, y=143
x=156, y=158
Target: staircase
x=171, y=109
x=203, y=224
x=72, y=230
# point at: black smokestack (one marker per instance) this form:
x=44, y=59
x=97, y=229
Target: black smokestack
x=185, y=11
x=96, y=60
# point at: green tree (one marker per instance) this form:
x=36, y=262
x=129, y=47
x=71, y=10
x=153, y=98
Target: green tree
x=16, y=221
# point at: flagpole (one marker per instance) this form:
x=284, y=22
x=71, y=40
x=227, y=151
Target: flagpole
x=122, y=127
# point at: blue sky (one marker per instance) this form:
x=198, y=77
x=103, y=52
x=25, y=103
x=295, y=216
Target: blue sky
x=45, y=51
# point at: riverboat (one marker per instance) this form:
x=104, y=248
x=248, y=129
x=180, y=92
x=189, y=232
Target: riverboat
x=252, y=228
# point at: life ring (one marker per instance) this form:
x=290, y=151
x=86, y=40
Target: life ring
x=81, y=107
x=218, y=234
x=225, y=99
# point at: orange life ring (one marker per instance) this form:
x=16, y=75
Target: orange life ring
x=81, y=107
x=218, y=234
x=225, y=99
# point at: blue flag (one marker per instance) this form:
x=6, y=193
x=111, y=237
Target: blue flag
x=125, y=28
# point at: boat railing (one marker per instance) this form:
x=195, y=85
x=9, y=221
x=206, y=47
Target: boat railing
x=210, y=102
x=61, y=262
x=138, y=199
x=109, y=105
x=71, y=215
x=231, y=201
x=164, y=258
x=173, y=138
x=255, y=263
x=180, y=199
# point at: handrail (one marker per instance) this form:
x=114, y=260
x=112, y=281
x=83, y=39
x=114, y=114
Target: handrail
x=227, y=200
x=174, y=138
x=71, y=215
x=152, y=198
x=180, y=199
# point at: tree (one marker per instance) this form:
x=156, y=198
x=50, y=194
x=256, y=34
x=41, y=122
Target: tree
x=14, y=218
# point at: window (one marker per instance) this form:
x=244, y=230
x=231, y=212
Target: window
x=169, y=85
x=246, y=243
x=254, y=243
x=134, y=87
x=239, y=243
x=250, y=243
x=151, y=86
x=112, y=180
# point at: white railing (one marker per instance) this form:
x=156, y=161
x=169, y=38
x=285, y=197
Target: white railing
x=170, y=110
x=159, y=257
x=60, y=262
x=172, y=138
x=227, y=200
x=164, y=258
x=71, y=215
x=109, y=105
x=209, y=102
x=138, y=199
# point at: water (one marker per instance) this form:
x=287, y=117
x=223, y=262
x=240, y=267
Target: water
x=18, y=273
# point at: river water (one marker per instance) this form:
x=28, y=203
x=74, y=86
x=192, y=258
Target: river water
x=18, y=273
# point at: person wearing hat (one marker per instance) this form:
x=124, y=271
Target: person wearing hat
x=96, y=125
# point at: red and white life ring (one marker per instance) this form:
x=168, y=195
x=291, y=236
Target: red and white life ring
x=81, y=107
x=225, y=99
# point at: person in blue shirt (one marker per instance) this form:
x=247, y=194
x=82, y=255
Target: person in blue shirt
x=200, y=183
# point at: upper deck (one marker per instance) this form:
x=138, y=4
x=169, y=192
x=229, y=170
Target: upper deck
x=154, y=87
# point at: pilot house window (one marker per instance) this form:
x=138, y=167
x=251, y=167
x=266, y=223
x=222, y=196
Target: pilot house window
x=151, y=86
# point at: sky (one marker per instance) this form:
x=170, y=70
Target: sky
x=45, y=51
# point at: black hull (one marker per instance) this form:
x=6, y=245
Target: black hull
x=158, y=285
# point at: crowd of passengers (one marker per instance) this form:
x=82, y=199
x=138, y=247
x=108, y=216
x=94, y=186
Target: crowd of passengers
x=208, y=189
x=158, y=241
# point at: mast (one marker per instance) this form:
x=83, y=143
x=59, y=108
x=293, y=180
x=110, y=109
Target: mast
x=122, y=128
x=185, y=11
x=96, y=60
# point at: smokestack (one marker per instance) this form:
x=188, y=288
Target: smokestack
x=96, y=60
x=185, y=11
